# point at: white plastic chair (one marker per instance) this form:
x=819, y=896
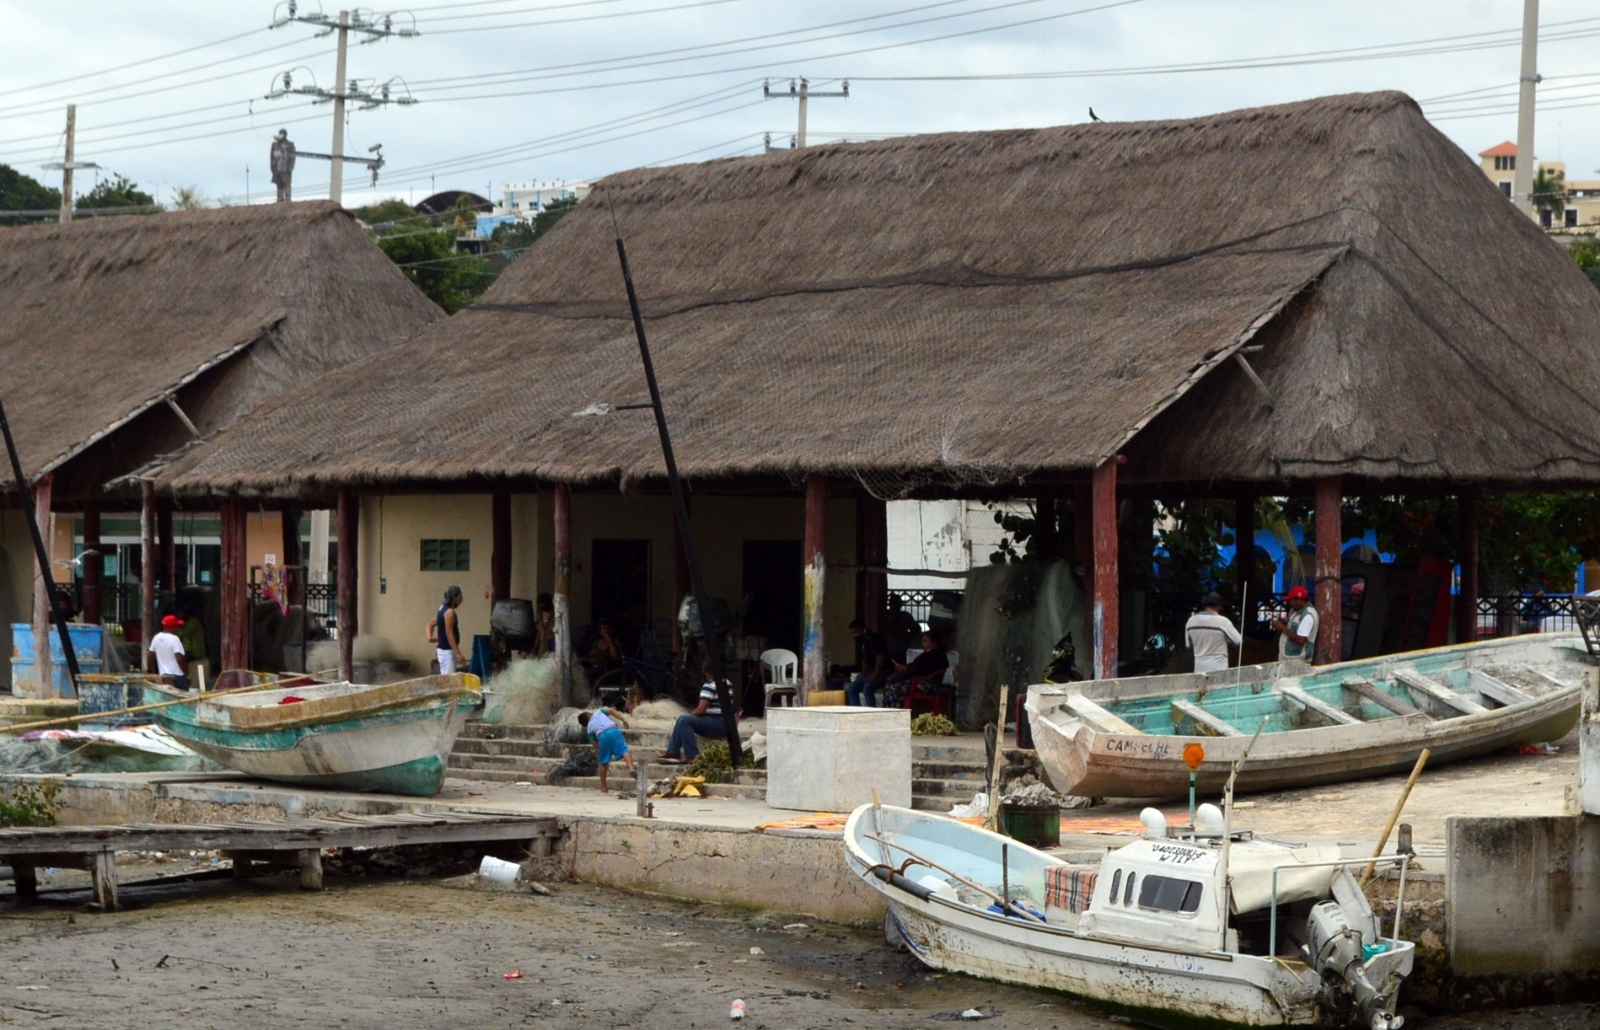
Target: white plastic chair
x=780, y=673
x=954, y=671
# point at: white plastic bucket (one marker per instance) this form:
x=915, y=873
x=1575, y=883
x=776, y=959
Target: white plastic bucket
x=495, y=870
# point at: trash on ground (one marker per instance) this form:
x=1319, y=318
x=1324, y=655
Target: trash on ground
x=515, y=974
x=978, y=806
x=757, y=951
x=797, y=926
x=737, y=1011
x=538, y=888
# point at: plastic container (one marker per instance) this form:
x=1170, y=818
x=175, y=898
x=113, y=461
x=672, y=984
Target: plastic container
x=737, y=1011
x=1035, y=826
x=499, y=871
x=110, y=693
x=86, y=645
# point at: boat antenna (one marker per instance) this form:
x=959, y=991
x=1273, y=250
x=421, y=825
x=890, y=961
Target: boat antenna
x=1244, y=611
x=1227, y=817
x=680, y=508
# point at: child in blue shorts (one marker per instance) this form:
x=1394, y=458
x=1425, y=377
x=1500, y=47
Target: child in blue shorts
x=601, y=725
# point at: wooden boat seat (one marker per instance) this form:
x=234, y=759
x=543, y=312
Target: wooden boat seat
x=1098, y=719
x=1336, y=716
x=1382, y=698
x=1496, y=689
x=1209, y=724
x=1420, y=684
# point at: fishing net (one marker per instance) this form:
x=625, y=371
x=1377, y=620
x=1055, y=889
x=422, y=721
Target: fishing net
x=526, y=693
x=1011, y=618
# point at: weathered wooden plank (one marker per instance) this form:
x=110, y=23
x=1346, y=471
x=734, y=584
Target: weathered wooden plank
x=311, y=869
x=1331, y=713
x=1420, y=684
x=104, y=874
x=1496, y=689
x=1098, y=719
x=1380, y=697
x=1206, y=721
x=285, y=836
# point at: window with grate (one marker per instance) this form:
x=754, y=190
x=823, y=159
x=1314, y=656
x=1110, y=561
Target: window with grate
x=446, y=555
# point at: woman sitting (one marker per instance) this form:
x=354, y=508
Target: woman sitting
x=922, y=675
x=606, y=654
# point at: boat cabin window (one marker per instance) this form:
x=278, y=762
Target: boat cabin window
x=1116, y=885
x=1127, y=899
x=1169, y=894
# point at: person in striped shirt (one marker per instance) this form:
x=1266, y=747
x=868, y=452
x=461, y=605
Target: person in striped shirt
x=704, y=721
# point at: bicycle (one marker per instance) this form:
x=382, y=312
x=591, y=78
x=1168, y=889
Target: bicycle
x=655, y=677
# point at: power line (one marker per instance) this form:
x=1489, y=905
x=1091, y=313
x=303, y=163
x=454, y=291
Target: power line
x=556, y=21
x=131, y=64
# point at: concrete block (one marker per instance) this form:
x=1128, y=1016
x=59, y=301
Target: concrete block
x=829, y=759
x=1589, y=745
x=1524, y=893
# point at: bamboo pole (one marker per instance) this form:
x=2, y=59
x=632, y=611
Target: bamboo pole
x=1394, y=817
x=991, y=819
x=202, y=696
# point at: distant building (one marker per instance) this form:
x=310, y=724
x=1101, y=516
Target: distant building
x=1582, y=210
x=523, y=200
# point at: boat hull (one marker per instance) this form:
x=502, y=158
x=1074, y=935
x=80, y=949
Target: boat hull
x=1085, y=761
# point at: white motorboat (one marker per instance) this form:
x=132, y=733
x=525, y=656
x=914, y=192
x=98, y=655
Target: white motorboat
x=1289, y=941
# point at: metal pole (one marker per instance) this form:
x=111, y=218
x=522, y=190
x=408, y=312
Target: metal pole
x=800, y=136
x=41, y=555
x=66, y=164
x=1522, y=181
x=336, y=165
x=681, y=507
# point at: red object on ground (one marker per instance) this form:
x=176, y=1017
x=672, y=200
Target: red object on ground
x=290, y=700
x=515, y=974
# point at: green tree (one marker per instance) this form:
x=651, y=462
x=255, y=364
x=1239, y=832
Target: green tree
x=1587, y=255
x=429, y=258
x=117, y=191
x=1550, y=193
x=19, y=192
x=189, y=198
x=512, y=238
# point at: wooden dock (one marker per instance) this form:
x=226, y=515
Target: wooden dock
x=294, y=843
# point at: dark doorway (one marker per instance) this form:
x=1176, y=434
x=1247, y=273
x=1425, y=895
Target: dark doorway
x=621, y=585
x=773, y=580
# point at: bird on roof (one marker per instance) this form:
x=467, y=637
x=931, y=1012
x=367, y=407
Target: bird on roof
x=1094, y=117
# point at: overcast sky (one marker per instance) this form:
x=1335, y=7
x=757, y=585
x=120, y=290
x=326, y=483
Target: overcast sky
x=512, y=90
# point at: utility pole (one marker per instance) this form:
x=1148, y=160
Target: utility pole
x=802, y=92
x=374, y=27
x=1522, y=181
x=68, y=165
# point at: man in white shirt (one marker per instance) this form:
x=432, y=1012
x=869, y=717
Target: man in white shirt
x=1297, y=635
x=171, y=661
x=1209, y=634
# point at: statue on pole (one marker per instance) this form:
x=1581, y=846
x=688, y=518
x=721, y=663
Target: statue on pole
x=282, y=163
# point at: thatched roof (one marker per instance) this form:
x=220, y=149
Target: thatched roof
x=222, y=309
x=979, y=307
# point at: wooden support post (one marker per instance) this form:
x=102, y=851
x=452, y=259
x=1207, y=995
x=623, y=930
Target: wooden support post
x=94, y=565
x=311, y=858
x=103, y=871
x=500, y=548
x=1244, y=540
x=349, y=544
x=149, y=563
x=814, y=670
x=243, y=867
x=26, y=879
x=1467, y=554
x=1106, y=611
x=43, y=667
x=235, y=600
x=561, y=598
x=166, y=554
x=1329, y=577
x=872, y=553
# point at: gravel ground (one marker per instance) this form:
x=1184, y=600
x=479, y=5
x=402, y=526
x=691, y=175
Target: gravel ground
x=436, y=953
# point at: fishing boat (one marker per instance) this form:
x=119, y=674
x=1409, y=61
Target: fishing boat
x=1208, y=925
x=393, y=738
x=1127, y=737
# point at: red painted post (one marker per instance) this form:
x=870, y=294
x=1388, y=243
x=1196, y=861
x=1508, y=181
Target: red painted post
x=93, y=564
x=235, y=602
x=149, y=563
x=349, y=544
x=1467, y=599
x=500, y=549
x=1106, y=611
x=43, y=667
x=561, y=600
x=1329, y=575
x=814, y=669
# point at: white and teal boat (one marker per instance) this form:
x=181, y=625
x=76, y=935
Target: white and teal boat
x=393, y=738
x=1126, y=737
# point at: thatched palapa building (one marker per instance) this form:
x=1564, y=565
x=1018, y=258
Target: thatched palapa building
x=128, y=338
x=1324, y=296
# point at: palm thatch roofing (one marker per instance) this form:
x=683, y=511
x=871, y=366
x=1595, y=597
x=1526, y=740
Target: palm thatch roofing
x=951, y=310
x=220, y=310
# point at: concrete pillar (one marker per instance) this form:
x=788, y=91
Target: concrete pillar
x=42, y=664
x=1467, y=553
x=235, y=587
x=814, y=668
x=1244, y=533
x=349, y=516
x=561, y=597
x=1106, y=611
x=872, y=552
x=500, y=552
x=149, y=563
x=93, y=563
x=1329, y=575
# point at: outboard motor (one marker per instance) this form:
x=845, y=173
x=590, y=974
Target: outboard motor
x=1335, y=949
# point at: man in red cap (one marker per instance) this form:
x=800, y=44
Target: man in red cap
x=1297, y=636
x=171, y=661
